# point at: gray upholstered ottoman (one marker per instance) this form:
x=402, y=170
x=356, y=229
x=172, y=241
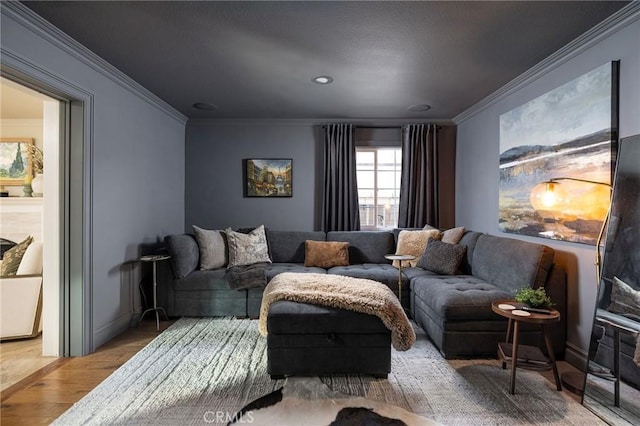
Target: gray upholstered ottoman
x=311, y=340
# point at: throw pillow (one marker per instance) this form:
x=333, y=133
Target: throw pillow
x=442, y=258
x=624, y=298
x=414, y=243
x=247, y=249
x=13, y=257
x=453, y=235
x=212, y=248
x=326, y=254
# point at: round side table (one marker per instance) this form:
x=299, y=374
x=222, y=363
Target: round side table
x=400, y=258
x=530, y=357
x=154, y=259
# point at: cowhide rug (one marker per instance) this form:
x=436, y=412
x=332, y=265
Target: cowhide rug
x=307, y=401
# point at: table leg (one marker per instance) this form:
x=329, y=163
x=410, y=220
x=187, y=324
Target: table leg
x=552, y=355
x=514, y=358
x=507, y=339
x=400, y=282
x=616, y=366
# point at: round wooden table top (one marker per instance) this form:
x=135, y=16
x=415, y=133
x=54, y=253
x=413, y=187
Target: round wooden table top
x=518, y=315
x=399, y=257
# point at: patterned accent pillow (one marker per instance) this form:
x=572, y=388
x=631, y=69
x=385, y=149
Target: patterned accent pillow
x=326, y=254
x=413, y=243
x=442, y=258
x=247, y=249
x=453, y=235
x=13, y=257
x=212, y=248
x=624, y=298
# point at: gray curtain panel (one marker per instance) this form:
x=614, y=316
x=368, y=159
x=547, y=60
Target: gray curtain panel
x=419, y=182
x=340, y=210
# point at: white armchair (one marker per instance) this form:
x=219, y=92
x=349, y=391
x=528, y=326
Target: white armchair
x=21, y=297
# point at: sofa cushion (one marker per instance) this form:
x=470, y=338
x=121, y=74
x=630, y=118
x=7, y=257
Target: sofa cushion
x=381, y=272
x=288, y=246
x=469, y=239
x=274, y=269
x=212, y=248
x=13, y=257
x=31, y=263
x=414, y=243
x=184, y=253
x=247, y=249
x=460, y=297
x=511, y=264
x=442, y=258
x=205, y=280
x=365, y=246
x=325, y=254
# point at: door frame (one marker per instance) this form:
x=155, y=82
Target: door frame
x=74, y=311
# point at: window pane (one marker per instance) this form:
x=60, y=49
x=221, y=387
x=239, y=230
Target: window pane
x=378, y=174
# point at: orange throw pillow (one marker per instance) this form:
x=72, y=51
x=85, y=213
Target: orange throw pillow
x=325, y=254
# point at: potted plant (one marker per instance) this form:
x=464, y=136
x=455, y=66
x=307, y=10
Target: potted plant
x=535, y=298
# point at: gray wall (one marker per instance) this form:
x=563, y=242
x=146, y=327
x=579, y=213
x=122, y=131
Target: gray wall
x=477, y=163
x=137, y=166
x=214, y=196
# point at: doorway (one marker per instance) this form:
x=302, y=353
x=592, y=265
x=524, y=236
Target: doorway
x=35, y=118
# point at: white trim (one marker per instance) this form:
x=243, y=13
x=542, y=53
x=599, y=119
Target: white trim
x=44, y=29
x=363, y=122
x=624, y=17
x=21, y=121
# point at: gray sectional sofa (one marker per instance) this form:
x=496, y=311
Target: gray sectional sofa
x=454, y=310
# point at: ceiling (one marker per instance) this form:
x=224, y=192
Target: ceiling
x=256, y=60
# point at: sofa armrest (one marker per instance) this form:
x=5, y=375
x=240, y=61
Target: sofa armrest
x=20, y=306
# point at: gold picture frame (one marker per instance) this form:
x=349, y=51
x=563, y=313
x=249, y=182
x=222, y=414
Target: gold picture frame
x=15, y=160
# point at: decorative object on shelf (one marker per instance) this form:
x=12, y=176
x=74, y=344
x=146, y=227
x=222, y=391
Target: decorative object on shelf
x=37, y=166
x=15, y=161
x=268, y=177
x=37, y=184
x=569, y=131
x=26, y=188
x=535, y=298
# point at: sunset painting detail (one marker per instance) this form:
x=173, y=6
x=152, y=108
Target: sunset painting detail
x=569, y=132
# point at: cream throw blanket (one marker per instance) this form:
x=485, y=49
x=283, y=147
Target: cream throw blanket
x=336, y=291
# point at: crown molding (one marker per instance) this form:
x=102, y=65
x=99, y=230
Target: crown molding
x=362, y=122
x=43, y=28
x=624, y=17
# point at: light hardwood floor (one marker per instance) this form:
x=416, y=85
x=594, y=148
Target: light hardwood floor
x=44, y=395
x=19, y=359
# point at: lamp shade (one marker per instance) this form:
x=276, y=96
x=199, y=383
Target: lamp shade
x=571, y=200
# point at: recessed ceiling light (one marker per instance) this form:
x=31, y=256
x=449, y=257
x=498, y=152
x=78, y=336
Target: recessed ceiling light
x=419, y=108
x=203, y=106
x=322, y=79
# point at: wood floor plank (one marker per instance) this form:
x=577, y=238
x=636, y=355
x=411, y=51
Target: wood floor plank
x=46, y=394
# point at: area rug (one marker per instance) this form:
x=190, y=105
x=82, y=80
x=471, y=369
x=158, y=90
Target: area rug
x=205, y=370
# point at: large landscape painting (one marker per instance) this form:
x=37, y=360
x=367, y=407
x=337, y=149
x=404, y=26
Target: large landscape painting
x=567, y=132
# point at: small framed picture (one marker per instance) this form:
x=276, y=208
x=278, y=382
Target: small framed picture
x=15, y=160
x=268, y=177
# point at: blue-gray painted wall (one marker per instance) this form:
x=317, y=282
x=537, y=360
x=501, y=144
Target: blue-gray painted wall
x=214, y=195
x=477, y=164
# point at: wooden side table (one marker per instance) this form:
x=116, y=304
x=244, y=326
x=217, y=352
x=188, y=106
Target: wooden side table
x=155, y=258
x=524, y=356
x=400, y=258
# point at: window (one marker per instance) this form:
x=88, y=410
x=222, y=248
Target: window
x=378, y=175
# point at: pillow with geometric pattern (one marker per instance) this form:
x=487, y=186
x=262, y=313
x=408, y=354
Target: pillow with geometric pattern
x=12, y=257
x=624, y=298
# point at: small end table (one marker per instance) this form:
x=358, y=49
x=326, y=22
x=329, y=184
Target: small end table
x=399, y=258
x=154, y=259
x=531, y=357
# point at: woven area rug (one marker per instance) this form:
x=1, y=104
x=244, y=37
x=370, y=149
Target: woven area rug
x=204, y=370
